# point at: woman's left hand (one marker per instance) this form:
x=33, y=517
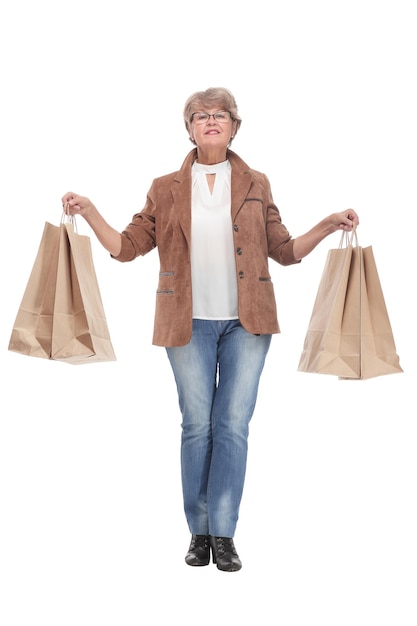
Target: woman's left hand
x=346, y=220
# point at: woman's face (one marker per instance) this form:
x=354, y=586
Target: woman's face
x=211, y=128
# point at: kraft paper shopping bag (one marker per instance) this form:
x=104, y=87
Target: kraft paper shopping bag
x=349, y=334
x=61, y=316
x=32, y=330
x=377, y=346
x=79, y=333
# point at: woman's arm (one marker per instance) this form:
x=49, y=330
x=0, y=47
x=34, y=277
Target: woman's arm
x=78, y=205
x=304, y=244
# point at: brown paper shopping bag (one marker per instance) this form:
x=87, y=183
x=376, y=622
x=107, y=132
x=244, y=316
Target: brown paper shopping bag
x=79, y=332
x=61, y=316
x=349, y=334
x=32, y=330
x=378, y=350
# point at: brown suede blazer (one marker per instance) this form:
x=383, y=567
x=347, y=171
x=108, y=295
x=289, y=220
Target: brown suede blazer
x=258, y=233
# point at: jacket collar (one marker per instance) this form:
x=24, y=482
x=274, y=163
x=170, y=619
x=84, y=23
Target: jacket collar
x=241, y=177
x=240, y=184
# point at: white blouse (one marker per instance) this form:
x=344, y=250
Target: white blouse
x=213, y=266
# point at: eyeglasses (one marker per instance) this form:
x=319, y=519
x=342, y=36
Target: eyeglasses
x=200, y=117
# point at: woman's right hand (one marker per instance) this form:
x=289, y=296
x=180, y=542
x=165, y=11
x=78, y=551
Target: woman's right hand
x=74, y=204
x=79, y=205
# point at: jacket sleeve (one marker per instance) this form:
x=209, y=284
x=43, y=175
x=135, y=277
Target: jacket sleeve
x=280, y=242
x=138, y=238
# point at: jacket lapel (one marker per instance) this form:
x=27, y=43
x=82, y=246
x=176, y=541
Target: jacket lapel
x=241, y=182
x=181, y=189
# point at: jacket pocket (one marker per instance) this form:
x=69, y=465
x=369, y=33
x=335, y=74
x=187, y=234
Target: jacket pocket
x=165, y=286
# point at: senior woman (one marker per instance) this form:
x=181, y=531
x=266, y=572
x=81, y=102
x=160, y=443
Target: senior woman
x=215, y=224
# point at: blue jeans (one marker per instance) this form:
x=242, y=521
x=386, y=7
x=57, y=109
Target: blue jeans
x=217, y=376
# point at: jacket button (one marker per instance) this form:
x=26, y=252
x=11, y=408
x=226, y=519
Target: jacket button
x=235, y=228
x=239, y=251
x=241, y=274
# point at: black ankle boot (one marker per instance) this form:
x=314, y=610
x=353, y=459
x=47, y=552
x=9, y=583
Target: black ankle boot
x=224, y=554
x=199, y=551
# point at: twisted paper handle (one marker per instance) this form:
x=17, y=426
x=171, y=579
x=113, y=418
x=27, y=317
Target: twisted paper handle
x=348, y=238
x=67, y=218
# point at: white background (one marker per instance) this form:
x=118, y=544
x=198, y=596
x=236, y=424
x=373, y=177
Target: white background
x=91, y=527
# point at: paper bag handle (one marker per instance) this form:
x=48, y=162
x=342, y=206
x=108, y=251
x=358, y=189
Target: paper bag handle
x=67, y=218
x=348, y=238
